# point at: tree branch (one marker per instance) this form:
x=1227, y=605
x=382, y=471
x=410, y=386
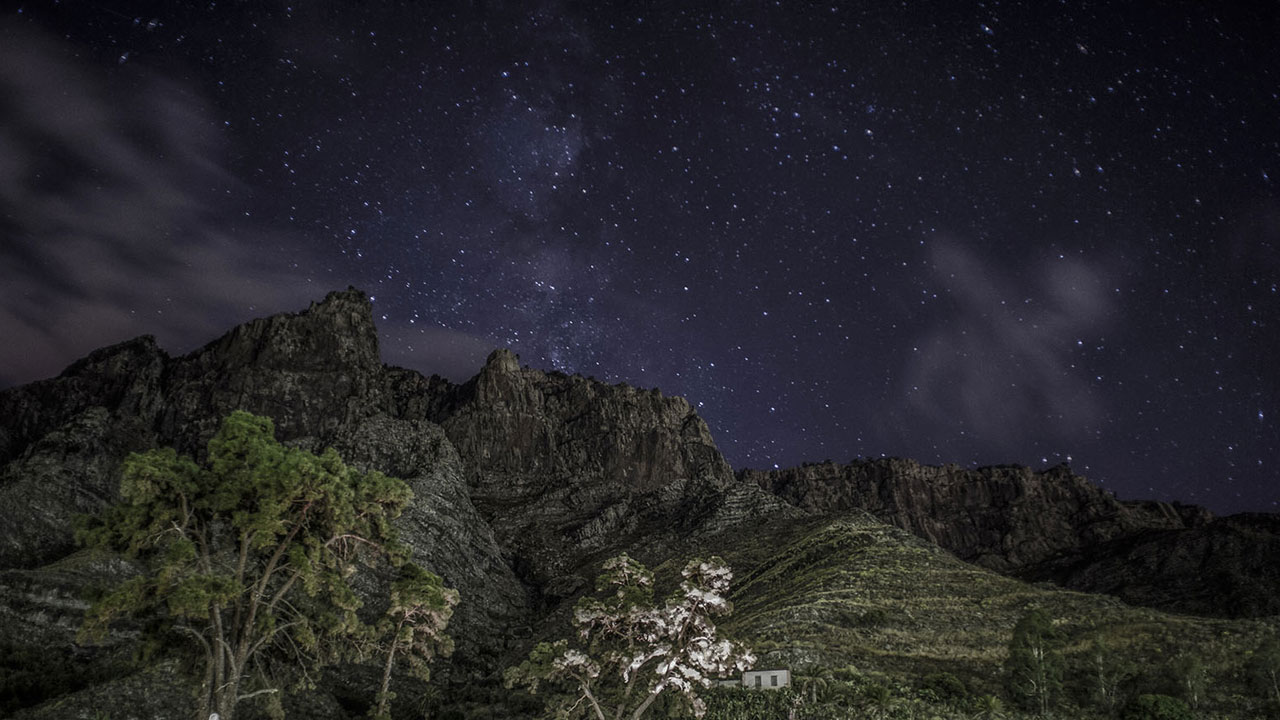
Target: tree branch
x=585, y=685
x=255, y=693
x=208, y=650
x=653, y=695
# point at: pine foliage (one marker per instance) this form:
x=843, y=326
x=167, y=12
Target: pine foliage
x=247, y=561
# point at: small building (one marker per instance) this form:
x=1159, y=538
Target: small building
x=766, y=679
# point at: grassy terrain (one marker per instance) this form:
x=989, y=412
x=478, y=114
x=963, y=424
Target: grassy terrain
x=856, y=608
x=872, y=621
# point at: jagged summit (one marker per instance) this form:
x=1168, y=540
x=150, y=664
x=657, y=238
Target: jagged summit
x=531, y=471
x=333, y=333
x=502, y=360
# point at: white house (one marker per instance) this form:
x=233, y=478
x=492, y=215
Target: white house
x=766, y=679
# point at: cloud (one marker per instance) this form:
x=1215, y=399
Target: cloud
x=112, y=224
x=1002, y=365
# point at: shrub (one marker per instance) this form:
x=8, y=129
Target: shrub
x=1156, y=707
x=945, y=686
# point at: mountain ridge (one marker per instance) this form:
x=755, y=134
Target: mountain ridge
x=525, y=480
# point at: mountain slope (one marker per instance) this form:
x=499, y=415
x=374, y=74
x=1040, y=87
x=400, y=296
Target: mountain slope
x=882, y=605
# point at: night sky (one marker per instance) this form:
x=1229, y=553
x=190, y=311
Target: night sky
x=1004, y=232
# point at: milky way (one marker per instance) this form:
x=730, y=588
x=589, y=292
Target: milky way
x=991, y=233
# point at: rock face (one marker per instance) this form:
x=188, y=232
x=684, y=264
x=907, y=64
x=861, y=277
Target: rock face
x=1055, y=525
x=1003, y=518
x=522, y=479
x=315, y=373
x=1229, y=567
x=562, y=466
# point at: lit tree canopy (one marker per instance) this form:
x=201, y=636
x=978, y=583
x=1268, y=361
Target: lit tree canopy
x=634, y=650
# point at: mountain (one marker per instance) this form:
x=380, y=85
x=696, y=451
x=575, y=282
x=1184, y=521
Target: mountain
x=1055, y=525
x=526, y=480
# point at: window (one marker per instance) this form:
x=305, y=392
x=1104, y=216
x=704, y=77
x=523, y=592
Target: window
x=759, y=680
x=773, y=680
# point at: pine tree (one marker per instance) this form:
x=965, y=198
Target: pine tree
x=247, y=559
x=412, y=629
x=1033, y=670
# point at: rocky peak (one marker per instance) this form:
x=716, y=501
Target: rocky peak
x=124, y=375
x=501, y=362
x=561, y=464
x=335, y=334
x=313, y=372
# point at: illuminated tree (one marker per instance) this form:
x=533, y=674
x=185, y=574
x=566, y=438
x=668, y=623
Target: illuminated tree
x=635, y=650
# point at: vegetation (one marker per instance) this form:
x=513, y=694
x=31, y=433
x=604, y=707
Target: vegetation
x=945, y=686
x=1264, y=671
x=1156, y=707
x=1108, y=673
x=746, y=704
x=1033, y=670
x=248, y=560
x=636, y=650
x=413, y=628
x=30, y=674
x=856, y=602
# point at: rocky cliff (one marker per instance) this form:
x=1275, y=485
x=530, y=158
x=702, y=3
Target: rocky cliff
x=520, y=477
x=1229, y=567
x=563, y=465
x=1004, y=517
x=1056, y=525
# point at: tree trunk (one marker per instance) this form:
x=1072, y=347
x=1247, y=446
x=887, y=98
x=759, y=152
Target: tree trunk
x=386, y=677
x=228, y=697
x=206, y=691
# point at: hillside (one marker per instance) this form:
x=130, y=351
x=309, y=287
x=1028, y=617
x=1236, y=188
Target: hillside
x=1056, y=525
x=873, y=604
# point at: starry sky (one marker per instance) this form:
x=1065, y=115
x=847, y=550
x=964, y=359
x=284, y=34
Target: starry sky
x=983, y=233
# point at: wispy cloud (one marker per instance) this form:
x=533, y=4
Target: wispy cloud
x=1001, y=368
x=110, y=214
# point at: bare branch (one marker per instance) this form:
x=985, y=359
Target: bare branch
x=255, y=693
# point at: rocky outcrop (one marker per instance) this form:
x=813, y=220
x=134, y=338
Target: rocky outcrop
x=125, y=377
x=563, y=466
x=1003, y=517
x=443, y=528
x=316, y=373
x=1229, y=567
x=63, y=459
x=1055, y=525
